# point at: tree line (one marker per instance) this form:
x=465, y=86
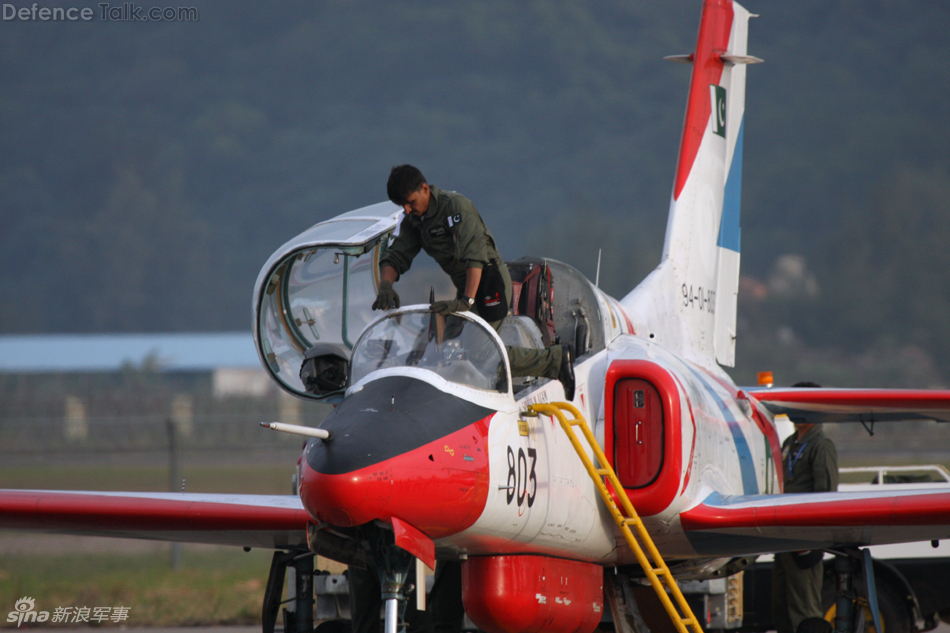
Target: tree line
x=148, y=170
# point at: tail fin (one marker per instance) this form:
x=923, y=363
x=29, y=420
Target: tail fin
x=688, y=304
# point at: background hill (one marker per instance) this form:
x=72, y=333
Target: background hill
x=148, y=169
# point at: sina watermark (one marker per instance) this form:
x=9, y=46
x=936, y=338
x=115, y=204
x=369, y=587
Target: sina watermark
x=24, y=611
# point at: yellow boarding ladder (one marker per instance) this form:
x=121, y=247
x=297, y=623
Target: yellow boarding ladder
x=656, y=570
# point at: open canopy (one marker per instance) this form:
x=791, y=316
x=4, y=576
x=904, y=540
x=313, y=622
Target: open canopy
x=318, y=289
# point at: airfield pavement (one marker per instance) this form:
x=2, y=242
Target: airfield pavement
x=941, y=628
x=182, y=629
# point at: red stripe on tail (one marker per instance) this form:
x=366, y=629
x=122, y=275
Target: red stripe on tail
x=714, y=30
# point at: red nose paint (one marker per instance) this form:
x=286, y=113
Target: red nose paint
x=440, y=487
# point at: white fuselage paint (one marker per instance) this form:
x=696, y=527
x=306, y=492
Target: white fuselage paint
x=546, y=503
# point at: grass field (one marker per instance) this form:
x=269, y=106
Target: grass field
x=212, y=586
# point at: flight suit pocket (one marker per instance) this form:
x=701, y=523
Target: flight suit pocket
x=490, y=297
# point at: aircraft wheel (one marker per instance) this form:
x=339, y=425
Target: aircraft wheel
x=814, y=625
x=333, y=626
x=892, y=610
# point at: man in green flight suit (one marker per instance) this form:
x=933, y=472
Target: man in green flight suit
x=810, y=464
x=446, y=225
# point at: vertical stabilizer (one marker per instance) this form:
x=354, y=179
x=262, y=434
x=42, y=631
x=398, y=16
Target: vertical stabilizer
x=688, y=304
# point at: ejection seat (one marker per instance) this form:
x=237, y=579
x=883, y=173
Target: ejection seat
x=531, y=286
x=520, y=331
x=531, y=322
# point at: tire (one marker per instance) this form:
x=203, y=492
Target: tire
x=892, y=609
x=815, y=625
x=333, y=626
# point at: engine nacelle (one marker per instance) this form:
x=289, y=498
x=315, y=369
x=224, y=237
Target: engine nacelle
x=514, y=594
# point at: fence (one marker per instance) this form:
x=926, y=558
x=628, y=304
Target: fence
x=107, y=414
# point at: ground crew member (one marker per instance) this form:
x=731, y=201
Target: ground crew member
x=810, y=464
x=446, y=225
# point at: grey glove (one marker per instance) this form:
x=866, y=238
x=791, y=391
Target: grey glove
x=386, y=298
x=461, y=304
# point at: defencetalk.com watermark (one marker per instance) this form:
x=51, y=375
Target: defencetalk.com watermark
x=105, y=12
x=24, y=611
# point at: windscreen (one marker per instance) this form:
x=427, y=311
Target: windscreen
x=456, y=348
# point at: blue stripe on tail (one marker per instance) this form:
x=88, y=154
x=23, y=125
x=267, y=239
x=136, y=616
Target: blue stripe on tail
x=729, y=232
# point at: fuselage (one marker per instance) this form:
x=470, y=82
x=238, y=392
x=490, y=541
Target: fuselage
x=472, y=471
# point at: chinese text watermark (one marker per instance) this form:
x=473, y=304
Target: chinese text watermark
x=24, y=611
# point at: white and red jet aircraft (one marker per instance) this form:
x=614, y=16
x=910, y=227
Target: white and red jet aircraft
x=430, y=448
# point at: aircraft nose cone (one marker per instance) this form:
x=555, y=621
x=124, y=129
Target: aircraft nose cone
x=420, y=455
x=349, y=499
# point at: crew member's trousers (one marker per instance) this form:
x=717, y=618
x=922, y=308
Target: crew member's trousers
x=796, y=593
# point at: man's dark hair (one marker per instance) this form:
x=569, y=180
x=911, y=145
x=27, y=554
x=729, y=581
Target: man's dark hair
x=403, y=180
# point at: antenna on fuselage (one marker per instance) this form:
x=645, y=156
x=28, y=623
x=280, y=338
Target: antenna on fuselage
x=597, y=275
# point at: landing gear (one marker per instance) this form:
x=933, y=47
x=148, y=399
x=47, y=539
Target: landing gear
x=300, y=620
x=371, y=547
x=865, y=606
x=392, y=565
x=893, y=610
x=844, y=594
x=623, y=606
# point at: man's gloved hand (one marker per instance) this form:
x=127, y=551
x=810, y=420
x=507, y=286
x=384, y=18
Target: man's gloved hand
x=461, y=304
x=386, y=298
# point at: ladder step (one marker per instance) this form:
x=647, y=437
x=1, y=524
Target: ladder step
x=686, y=618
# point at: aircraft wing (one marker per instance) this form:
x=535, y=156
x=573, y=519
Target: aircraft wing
x=268, y=521
x=755, y=524
x=855, y=405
